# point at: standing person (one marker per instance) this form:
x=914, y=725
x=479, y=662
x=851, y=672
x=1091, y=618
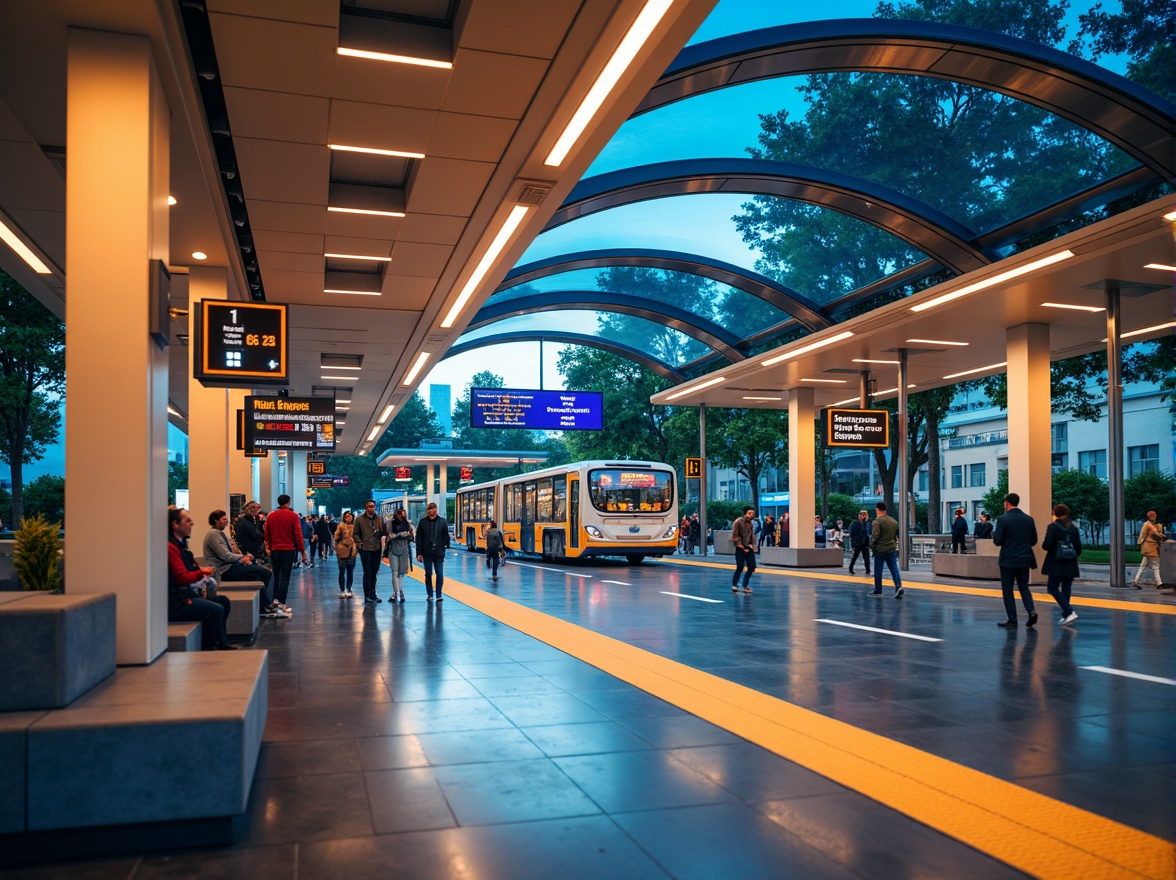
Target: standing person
x=230, y=564
x=836, y=536
x=309, y=539
x=696, y=535
x=345, y=554
x=284, y=541
x=1062, y=546
x=743, y=537
x=495, y=544
x=397, y=552
x=322, y=534
x=884, y=543
x=249, y=534
x=959, y=532
x=432, y=540
x=186, y=586
x=984, y=527
x=1016, y=536
x=785, y=531
x=768, y=535
x=1151, y=536
x=859, y=540
x=369, y=538
x=818, y=532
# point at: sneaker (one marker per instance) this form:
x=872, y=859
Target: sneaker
x=401, y=597
x=734, y=588
x=898, y=594
x=1136, y=585
x=377, y=600
x=429, y=599
x=277, y=614
x=874, y=595
x=440, y=598
x=369, y=601
x=1069, y=618
x=1008, y=624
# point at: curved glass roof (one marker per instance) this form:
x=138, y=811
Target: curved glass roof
x=837, y=189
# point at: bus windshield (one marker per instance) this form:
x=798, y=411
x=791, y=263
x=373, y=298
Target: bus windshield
x=615, y=490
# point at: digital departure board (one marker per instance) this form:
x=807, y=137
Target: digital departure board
x=239, y=344
x=536, y=410
x=855, y=428
x=290, y=423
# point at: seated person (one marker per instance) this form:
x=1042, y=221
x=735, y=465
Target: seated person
x=230, y=564
x=186, y=588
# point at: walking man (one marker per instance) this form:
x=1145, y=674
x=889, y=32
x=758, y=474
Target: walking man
x=369, y=534
x=1016, y=536
x=284, y=541
x=743, y=536
x=1151, y=536
x=884, y=543
x=859, y=540
x=432, y=540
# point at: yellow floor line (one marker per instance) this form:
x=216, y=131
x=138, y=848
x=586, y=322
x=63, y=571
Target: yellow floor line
x=1033, y=833
x=1088, y=601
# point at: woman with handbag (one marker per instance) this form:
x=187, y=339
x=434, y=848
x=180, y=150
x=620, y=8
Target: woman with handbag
x=346, y=553
x=397, y=553
x=1062, y=546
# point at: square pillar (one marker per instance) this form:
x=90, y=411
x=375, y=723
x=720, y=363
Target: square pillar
x=116, y=222
x=240, y=464
x=802, y=466
x=296, y=482
x=1029, y=407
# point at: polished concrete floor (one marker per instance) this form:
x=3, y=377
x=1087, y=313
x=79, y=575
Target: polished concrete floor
x=432, y=741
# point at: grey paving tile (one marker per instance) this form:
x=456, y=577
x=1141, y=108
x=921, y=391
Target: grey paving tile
x=511, y=791
x=626, y=781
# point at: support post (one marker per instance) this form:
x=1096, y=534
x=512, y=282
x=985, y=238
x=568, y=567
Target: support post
x=1030, y=474
x=802, y=466
x=702, y=478
x=1115, y=438
x=904, y=467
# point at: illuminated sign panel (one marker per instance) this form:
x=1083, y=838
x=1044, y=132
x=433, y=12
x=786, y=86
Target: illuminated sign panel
x=467, y=474
x=536, y=410
x=239, y=344
x=290, y=423
x=855, y=428
x=315, y=468
x=694, y=468
x=403, y=474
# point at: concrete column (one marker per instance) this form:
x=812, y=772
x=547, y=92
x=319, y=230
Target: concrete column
x=1030, y=475
x=904, y=467
x=296, y=482
x=254, y=479
x=802, y=466
x=267, y=493
x=1118, y=577
x=240, y=464
x=444, y=488
x=702, y=479
x=116, y=221
x=212, y=421
x=430, y=483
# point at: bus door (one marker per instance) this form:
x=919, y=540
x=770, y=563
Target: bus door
x=574, y=511
x=527, y=520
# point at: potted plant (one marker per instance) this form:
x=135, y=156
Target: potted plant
x=36, y=556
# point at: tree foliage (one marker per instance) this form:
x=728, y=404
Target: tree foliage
x=993, y=500
x=1143, y=31
x=1150, y=490
x=32, y=378
x=45, y=496
x=748, y=440
x=1086, y=496
x=177, y=478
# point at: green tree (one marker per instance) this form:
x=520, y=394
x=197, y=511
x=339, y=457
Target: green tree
x=32, y=378
x=46, y=496
x=748, y=440
x=1086, y=496
x=934, y=406
x=719, y=514
x=6, y=510
x=177, y=478
x=1143, y=31
x=692, y=293
x=993, y=500
x=1150, y=490
x=841, y=507
x=413, y=423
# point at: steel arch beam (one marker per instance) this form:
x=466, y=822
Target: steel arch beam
x=1133, y=119
x=800, y=307
x=618, y=348
x=929, y=230
x=705, y=331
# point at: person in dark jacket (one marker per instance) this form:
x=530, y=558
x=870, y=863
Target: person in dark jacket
x=1016, y=536
x=984, y=527
x=859, y=540
x=187, y=586
x=249, y=534
x=432, y=540
x=959, y=532
x=1061, y=572
x=495, y=544
x=323, y=535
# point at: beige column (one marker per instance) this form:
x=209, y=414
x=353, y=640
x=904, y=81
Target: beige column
x=802, y=466
x=240, y=464
x=212, y=425
x=296, y=482
x=1029, y=406
x=116, y=400
x=267, y=493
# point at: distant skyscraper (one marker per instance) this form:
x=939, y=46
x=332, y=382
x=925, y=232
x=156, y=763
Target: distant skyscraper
x=440, y=404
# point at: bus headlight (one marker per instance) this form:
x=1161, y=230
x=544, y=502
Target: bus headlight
x=593, y=532
x=670, y=532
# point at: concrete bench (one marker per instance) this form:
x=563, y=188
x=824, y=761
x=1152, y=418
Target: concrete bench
x=803, y=557
x=184, y=636
x=981, y=565
x=111, y=770
x=53, y=647
x=245, y=614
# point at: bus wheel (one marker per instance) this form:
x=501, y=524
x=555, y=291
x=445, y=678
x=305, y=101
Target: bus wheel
x=635, y=558
x=471, y=541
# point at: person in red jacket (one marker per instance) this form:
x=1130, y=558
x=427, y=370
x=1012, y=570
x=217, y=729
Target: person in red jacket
x=283, y=540
x=185, y=591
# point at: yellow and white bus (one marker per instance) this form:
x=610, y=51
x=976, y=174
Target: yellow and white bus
x=588, y=508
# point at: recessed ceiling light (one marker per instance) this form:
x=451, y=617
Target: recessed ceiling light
x=763, y=398
x=366, y=211
x=402, y=154
x=340, y=423
x=342, y=408
x=395, y=59
x=871, y=361
x=199, y=255
x=359, y=257
x=341, y=400
x=1161, y=267
x=372, y=435
x=1170, y=216
x=512, y=222
x=171, y=200
x=976, y=370
x=387, y=412
x=1152, y=329
x=715, y=381
x=342, y=367
x=828, y=381
x=1074, y=307
x=352, y=292
x=23, y=251
x=813, y=346
x=937, y=342
x=985, y=283
x=849, y=400
x=416, y=368
x=342, y=378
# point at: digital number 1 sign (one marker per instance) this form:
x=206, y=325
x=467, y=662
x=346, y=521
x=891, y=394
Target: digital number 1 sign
x=240, y=344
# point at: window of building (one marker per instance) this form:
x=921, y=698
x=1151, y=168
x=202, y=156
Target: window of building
x=957, y=476
x=977, y=506
x=923, y=480
x=976, y=477
x=1142, y=458
x=1058, y=437
x=1093, y=461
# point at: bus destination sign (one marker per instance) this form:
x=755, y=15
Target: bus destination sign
x=536, y=410
x=290, y=423
x=240, y=344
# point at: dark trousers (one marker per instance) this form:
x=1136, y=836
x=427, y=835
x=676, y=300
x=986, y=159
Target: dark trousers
x=239, y=572
x=958, y=545
x=769, y=539
x=864, y=552
x=492, y=560
x=346, y=570
x=283, y=563
x=1021, y=577
x=211, y=614
x=434, y=564
x=890, y=560
x=1059, y=588
x=743, y=558
x=369, y=560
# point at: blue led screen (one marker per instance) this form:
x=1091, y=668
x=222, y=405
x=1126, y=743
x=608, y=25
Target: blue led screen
x=536, y=410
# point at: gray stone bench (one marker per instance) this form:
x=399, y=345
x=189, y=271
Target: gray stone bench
x=981, y=565
x=246, y=611
x=184, y=635
x=115, y=763
x=53, y=647
x=803, y=557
